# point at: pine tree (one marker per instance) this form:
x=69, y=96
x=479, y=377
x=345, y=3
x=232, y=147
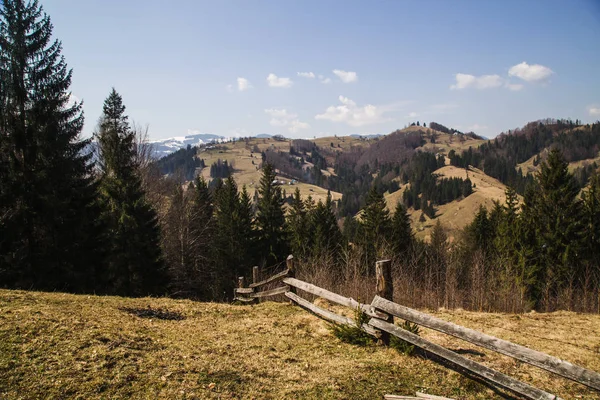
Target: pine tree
x=328, y=240
x=402, y=235
x=298, y=227
x=48, y=230
x=481, y=231
x=591, y=202
x=553, y=217
x=202, y=232
x=375, y=228
x=134, y=265
x=270, y=219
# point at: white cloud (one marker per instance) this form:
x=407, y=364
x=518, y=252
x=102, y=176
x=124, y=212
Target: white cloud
x=350, y=113
x=464, y=81
x=515, y=87
x=594, y=111
x=413, y=115
x=346, y=76
x=274, y=81
x=281, y=118
x=324, y=80
x=309, y=75
x=530, y=73
x=243, y=84
x=229, y=88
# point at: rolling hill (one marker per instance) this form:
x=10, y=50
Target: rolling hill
x=348, y=165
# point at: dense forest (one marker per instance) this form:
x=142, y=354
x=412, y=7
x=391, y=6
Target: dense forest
x=117, y=222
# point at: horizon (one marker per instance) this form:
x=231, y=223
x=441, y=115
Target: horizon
x=309, y=69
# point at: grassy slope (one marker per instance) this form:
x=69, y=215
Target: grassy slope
x=66, y=346
x=246, y=173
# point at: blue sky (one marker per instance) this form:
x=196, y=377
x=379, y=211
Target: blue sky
x=221, y=66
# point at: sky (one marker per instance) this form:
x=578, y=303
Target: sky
x=322, y=68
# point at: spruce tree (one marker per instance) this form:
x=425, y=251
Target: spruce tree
x=328, y=240
x=234, y=233
x=270, y=219
x=298, y=227
x=591, y=202
x=48, y=230
x=375, y=228
x=202, y=231
x=481, y=231
x=134, y=264
x=553, y=215
x=402, y=235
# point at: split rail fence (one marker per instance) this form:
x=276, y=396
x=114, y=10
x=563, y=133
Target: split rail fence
x=382, y=311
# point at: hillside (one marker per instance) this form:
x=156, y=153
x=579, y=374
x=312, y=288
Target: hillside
x=55, y=345
x=348, y=166
x=458, y=213
x=245, y=163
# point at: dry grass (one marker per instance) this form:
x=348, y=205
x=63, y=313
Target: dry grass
x=67, y=346
x=455, y=215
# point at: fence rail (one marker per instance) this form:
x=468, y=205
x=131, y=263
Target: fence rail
x=382, y=311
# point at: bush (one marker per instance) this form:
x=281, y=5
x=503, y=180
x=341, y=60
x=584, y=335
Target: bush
x=353, y=334
x=402, y=346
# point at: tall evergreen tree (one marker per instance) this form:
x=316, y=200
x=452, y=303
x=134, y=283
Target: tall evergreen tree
x=298, y=227
x=328, y=240
x=235, y=234
x=402, y=235
x=375, y=228
x=134, y=265
x=48, y=233
x=481, y=231
x=204, y=246
x=554, y=214
x=270, y=219
x=591, y=202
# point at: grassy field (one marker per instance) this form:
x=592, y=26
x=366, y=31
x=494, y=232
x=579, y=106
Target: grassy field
x=59, y=346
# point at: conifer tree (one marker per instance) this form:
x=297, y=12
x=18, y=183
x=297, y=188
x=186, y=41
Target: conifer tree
x=328, y=238
x=553, y=214
x=402, y=235
x=202, y=229
x=591, y=202
x=480, y=231
x=298, y=227
x=270, y=219
x=135, y=265
x=48, y=230
x=375, y=228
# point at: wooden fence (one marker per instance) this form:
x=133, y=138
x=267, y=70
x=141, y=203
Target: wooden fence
x=382, y=310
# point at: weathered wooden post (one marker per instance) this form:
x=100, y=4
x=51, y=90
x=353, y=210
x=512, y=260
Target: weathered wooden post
x=289, y=262
x=255, y=279
x=384, y=288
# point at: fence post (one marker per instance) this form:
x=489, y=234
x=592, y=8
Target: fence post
x=289, y=262
x=241, y=282
x=384, y=288
x=255, y=279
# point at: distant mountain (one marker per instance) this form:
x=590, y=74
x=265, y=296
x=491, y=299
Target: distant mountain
x=264, y=136
x=167, y=146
